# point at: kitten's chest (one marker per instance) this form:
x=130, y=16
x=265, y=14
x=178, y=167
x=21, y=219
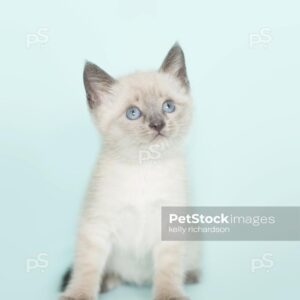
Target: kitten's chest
x=138, y=201
x=145, y=186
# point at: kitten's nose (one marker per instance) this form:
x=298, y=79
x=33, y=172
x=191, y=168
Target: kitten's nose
x=157, y=125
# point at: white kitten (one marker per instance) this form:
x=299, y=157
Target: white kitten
x=143, y=118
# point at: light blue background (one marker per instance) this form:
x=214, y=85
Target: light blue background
x=243, y=150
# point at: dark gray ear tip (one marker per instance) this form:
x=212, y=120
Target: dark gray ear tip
x=88, y=65
x=177, y=47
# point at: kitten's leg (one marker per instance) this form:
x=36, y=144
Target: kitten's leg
x=169, y=271
x=109, y=282
x=90, y=258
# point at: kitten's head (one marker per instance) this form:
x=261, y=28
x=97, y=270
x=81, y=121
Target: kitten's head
x=143, y=108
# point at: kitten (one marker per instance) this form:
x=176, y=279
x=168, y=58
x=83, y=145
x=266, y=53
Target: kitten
x=143, y=119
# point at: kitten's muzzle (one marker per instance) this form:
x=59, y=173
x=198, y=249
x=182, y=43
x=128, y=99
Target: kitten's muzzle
x=157, y=125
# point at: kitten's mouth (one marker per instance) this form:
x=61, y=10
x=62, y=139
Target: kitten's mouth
x=158, y=135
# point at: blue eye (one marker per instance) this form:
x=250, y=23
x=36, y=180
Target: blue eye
x=168, y=106
x=133, y=113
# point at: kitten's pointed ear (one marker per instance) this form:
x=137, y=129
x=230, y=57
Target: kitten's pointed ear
x=174, y=64
x=97, y=83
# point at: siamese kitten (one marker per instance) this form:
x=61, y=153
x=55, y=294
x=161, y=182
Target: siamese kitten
x=143, y=119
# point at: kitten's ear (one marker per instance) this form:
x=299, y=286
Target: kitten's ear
x=97, y=83
x=174, y=64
